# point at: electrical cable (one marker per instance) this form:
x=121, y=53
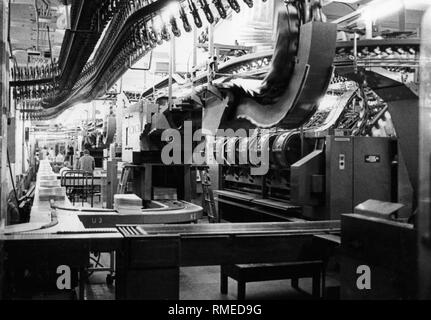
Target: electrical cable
x=11, y=176
x=97, y=263
x=346, y=4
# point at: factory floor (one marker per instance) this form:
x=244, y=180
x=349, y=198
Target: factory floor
x=203, y=283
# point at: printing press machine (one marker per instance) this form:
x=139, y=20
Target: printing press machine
x=360, y=132
x=325, y=159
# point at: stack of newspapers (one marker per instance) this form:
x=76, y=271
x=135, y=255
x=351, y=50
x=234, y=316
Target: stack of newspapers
x=128, y=204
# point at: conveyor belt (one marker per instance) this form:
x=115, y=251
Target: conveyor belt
x=236, y=195
x=172, y=212
x=268, y=228
x=256, y=199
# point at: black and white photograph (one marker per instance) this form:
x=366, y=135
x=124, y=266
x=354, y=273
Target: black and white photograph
x=211, y=157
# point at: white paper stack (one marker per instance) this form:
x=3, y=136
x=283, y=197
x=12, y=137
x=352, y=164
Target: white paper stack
x=128, y=204
x=48, y=177
x=44, y=168
x=164, y=193
x=50, y=183
x=57, y=193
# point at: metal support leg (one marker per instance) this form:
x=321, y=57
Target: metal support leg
x=324, y=282
x=82, y=277
x=295, y=283
x=241, y=290
x=316, y=285
x=223, y=281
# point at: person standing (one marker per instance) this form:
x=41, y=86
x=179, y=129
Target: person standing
x=69, y=155
x=86, y=162
x=37, y=160
x=51, y=154
x=66, y=167
x=45, y=153
x=59, y=158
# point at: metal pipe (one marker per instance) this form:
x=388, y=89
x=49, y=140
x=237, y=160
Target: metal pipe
x=424, y=157
x=212, y=58
x=68, y=25
x=368, y=29
x=355, y=51
x=194, y=52
x=171, y=69
x=402, y=18
x=37, y=24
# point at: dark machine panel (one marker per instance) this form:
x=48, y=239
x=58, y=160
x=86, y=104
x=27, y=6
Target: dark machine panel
x=358, y=169
x=388, y=248
x=339, y=175
x=373, y=174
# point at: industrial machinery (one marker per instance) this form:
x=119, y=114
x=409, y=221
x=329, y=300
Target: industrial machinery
x=336, y=138
x=326, y=155
x=331, y=124
x=329, y=116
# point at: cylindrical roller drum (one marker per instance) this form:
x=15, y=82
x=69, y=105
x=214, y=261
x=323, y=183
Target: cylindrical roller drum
x=287, y=148
x=252, y=147
x=241, y=155
x=265, y=143
x=219, y=149
x=230, y=150
x=261, y=143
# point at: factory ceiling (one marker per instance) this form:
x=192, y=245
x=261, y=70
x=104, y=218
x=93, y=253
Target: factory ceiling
x=36, y=30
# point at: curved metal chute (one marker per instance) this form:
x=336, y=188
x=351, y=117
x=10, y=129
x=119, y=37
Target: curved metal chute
x=237, y=106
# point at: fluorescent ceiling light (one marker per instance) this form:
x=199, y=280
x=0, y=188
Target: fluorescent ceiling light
x=379, y=9
x=326, y=2
x=172, y=9
x=382, y=8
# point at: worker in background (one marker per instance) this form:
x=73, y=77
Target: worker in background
x=59, y=158
x=69, y=155
x=37, y=160
x=86, y=162
x=51, y=155
x=40, y=154
x=45, y=153
x=76, y=158
x=66, y=167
